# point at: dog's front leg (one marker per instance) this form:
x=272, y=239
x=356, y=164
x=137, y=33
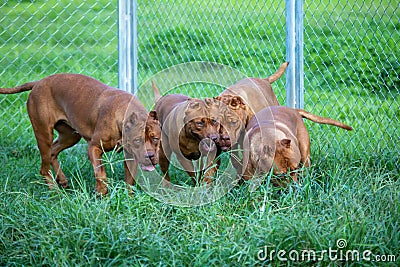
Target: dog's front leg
x=130, y=169
x=95, y=156
x=164, y=155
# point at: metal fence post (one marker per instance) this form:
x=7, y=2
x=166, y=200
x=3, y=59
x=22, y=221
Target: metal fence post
x=294, y=53
x=127, y=45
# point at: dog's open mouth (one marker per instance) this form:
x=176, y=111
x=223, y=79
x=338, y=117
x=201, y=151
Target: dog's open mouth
x=207, y=145
x=225, y=146
x=148, y=168
x=147, y=165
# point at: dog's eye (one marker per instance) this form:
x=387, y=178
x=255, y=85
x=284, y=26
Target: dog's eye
x=138, y=141
x=155, y=139
x=214, y=121
x=234, y=122
x=199, y=123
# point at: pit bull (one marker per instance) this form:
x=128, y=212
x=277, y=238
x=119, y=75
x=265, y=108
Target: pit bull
x=246, y=97
x=277, y=137
x=190, y=129
x=78, y=106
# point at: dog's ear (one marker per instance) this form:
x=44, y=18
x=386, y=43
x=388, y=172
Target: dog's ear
x=194, y=104
x=226, y=99
x=237, y=101
x=130, y=122
x=285, y=143
x=209, y=101
x=153, y=115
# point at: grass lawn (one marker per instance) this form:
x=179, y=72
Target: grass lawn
x=348, y=201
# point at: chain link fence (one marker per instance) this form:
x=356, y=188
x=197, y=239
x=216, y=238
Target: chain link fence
x=40, y=38
x=350, y=47
x=352, y=72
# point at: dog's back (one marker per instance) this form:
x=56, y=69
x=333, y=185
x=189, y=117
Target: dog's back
x=166, y=104
x=257, y=93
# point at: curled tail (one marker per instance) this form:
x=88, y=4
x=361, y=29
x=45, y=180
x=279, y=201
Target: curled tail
x=278, y=73
x=18, y=89
x=157, y=94
x=323, y=120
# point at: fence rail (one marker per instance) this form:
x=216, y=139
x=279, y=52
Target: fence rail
x=351, y=56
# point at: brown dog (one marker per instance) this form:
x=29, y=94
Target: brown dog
x=277, y=137
x=78, y=106
x=246, y=97
x=190, y=126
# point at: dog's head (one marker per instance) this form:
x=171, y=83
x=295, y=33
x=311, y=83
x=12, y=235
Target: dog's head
x=267, y=151
x=238, y=105
x=286, y=161
x=152, y=137
x=201, y=122
x=261, y=148
x=235, y=115
x=141, y=138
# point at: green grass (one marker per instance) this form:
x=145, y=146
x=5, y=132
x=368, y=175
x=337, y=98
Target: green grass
x=350, y=192
x=65, y=228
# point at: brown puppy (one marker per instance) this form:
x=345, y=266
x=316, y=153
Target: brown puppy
x=246, y=97
x=190, y=126
x=233, y=120
x=152, y=137
x=78, y=106
x=277, y=137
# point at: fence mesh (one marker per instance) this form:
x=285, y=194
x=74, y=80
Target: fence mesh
x=351, y=55
x=40, y=38
x=352, y=70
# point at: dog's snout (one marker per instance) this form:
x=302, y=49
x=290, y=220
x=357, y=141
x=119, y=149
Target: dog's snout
x=213, y=137
x=225, y=137
x=150, y=154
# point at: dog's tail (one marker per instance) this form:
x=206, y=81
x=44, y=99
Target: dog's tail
x=18, y=89
x=278, y=73
x=157, y=94
x=322, y=120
